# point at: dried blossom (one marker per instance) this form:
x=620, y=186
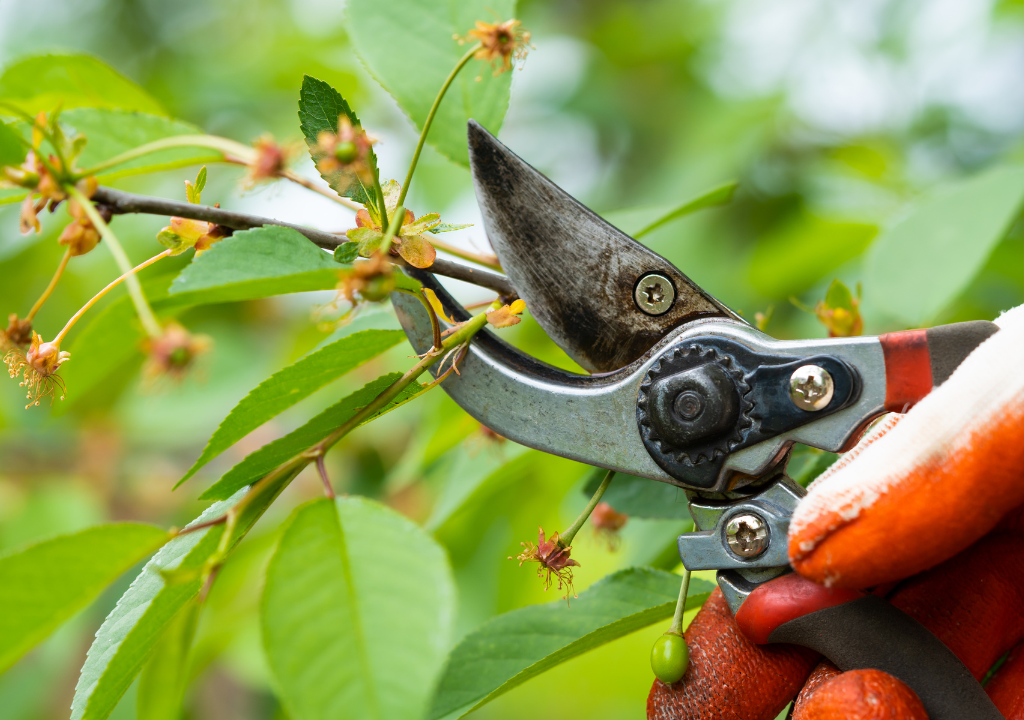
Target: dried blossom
x=370, y=280
x=500, y=43
x=81, y=235
x=174, y=353
x=38, y=367
x=344, y=156
x=553, y=559
x=761, y=319
x=607, y=522
x=45, y=179
x=17, y=334
x=840, y=311
x=270, y=161
x=490, y=435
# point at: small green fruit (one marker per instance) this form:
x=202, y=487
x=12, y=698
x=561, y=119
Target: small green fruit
x=378, y=288
x=346, y=152
x=670, y=657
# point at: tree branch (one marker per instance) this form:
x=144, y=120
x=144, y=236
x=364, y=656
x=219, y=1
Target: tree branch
x=121, y=203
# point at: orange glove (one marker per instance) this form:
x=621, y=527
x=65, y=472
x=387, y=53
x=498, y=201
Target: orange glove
x=926, y=511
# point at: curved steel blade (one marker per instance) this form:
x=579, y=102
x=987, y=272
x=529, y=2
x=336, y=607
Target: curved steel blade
x=576, y=272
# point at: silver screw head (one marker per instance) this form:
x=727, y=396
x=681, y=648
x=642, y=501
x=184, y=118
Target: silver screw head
x=747, y=535
x=654, y=294
x=811, y=388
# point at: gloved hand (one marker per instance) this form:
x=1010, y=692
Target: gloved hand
x=927, y=511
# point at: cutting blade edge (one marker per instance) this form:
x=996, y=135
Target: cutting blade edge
x=577, y=273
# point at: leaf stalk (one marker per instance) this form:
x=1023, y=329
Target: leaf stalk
x=430, y=118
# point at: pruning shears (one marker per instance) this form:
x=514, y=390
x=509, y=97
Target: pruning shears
x=684, y=391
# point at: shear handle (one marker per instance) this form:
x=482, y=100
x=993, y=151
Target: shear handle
x=918, y=360
x=857, y=631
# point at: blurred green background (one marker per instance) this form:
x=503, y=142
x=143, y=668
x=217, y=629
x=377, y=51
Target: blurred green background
x=834, y=117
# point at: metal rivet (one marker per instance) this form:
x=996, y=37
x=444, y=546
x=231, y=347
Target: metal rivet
x=689, y=405
x=747, y=535
x=654, y=294
x=811, y=388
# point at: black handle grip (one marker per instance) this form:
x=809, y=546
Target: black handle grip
x=870, y=633
x=949, y=345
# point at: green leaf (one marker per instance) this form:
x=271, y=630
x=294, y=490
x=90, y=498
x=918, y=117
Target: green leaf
x=510, y=649
x=45, y=584
x=112, y=132
x=446, y=227
x=259, y=463
x=417, y=251
x=808, y=463
x=12, y=149
x=194, y=191
x=640, y=497
x=269, y=260
x=420, y=53
x=320, y=106
x=802, y=251
x=367, y=239
x=164, y=678
x=357, y=612
x=130, y=633
x=468, y=473
x=917, y=267
x=346, y=253
x=43, y=82
x=721, y=195
x=293, y=383
x=638, y=222
x=839, y=296
x=421, y=224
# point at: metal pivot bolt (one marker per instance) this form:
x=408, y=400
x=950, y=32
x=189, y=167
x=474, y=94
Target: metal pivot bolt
x=654, y=294
x=747, y=535
x=689, y=405
x=811, y=388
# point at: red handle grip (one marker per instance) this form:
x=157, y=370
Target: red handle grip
x=918, y=360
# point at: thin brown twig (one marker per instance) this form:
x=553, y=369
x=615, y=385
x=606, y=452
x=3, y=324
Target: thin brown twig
x=121, y=202
x=321, y=468
x=326, y=192
x=482, y=303
x=203, y=525
x=490, y=261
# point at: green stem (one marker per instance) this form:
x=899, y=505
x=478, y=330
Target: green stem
x=95, y=298
x=462, y=334
x=224, y=145
x=382, y=207
x=430, y=118
x=566, y=538
x=393, y=228
x=49, y=288
x=149, y=321
x=677, y=619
